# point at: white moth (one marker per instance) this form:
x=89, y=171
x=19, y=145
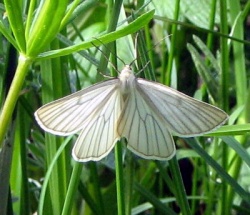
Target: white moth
x=146, y=113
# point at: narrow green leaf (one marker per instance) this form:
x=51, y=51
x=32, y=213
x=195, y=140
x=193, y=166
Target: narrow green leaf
x=223, y=174
x=106, y=38
x=43, y=29
x=14, y=11
x=154, y=200
x=240, y=150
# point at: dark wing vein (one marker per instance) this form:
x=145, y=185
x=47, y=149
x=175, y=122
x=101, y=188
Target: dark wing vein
x=182, y=114
x=69, y=114
x=99, y=135
x=147, y=135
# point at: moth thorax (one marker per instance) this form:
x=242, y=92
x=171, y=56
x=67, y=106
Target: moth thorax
x=127, y=79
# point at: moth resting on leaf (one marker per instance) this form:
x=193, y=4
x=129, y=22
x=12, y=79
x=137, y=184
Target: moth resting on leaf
x=146, y=113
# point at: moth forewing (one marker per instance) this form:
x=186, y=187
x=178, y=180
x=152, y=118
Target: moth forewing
x=68, y=115
x=184, y=115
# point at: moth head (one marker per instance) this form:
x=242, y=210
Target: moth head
x=127, y=79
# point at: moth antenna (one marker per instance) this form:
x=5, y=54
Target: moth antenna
x=143, y=68
x=154, y=45
x=106, y=76
x=113, y=66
